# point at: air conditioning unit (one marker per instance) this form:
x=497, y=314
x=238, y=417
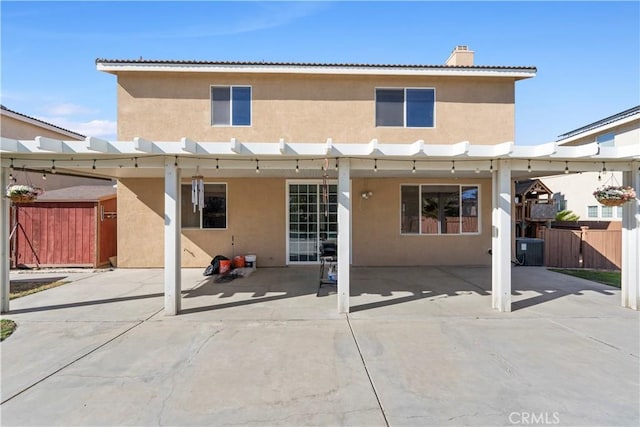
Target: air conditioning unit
x=530, y=251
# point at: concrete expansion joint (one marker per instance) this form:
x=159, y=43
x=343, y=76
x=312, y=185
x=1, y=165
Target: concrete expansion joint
x=366, y=370
x=589, y=337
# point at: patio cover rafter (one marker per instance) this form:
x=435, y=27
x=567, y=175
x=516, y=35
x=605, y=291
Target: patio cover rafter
x=234, y=149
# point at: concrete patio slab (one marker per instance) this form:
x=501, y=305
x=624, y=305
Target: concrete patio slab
x=421, y=347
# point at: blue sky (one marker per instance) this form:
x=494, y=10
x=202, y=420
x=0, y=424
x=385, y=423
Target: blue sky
x=587, y=53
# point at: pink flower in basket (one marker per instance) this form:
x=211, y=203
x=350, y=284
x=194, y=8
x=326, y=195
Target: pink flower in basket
x=614, y=194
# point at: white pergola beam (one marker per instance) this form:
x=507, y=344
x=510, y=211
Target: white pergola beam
x=503, y=149
x=501, y=237
x=344, y=234
x=631, y=243
x=99, y=145
x=53, y=145
x=9, y=145
x=373, y=147
x=534, y=151
x=417, y=147
x=329, y=147
x=172, y=244
x=235, y=146
x=4, y=243
x=620, y=151
x=440, y=150
x=144, y=145
x=586, y=150
x=189, y=145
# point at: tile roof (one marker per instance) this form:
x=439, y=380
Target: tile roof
x=78, y=193
x=306, y=64
x=622, y=115
x=2, y=107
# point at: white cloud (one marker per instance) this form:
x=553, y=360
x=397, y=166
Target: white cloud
x=66, y=109
x=105, y=129
x=99, y=128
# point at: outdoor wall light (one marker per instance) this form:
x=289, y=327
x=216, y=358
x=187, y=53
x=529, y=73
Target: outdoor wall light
x=367, y=194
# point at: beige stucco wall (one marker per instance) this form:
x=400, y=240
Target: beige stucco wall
x=376, y=229
x=257, y=222
x=311, y=108
x=18, y=129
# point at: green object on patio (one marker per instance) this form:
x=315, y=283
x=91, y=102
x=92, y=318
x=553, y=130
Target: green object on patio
x=611, y=278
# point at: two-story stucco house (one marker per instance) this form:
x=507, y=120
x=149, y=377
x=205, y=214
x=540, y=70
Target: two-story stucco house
x=401, y=164
x=426, y=218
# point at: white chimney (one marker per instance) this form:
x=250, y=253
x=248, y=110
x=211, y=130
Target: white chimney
x=461, y=55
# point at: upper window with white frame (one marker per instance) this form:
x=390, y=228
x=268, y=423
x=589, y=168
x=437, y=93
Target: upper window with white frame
x=439, y=209
x=231, y=105
x=213, y=213
x=405, y=107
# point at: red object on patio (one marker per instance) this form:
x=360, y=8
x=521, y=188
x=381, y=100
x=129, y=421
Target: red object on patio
x=225, y=266
x=238, y=261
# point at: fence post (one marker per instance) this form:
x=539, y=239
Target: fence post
x=583, y=231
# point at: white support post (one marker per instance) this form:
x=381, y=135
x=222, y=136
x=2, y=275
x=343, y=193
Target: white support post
x=172, y=246
x=631, y=243
x=4, y=244
x=501, y=237
x=344, y=233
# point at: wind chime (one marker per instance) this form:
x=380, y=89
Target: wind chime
x=325, y=187
x=197, y=190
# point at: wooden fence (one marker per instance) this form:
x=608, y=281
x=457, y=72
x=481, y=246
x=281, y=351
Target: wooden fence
x=584, y=248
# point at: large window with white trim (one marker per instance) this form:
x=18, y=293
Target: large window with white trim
x=405, y=107
x=439, y=209
x=231, y=105
x=213, y=213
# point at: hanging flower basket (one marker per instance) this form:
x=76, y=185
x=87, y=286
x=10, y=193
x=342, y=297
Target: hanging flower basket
x=614, y=195
x=23, y=193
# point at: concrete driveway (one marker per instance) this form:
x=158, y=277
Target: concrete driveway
x=421, y=347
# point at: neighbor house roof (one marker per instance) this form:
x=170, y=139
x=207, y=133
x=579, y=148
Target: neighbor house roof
x=602, y=123
x=79, y=193
x=119, y=65
x=38, y=122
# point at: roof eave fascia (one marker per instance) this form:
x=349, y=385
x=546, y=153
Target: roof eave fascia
x=515, y=72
